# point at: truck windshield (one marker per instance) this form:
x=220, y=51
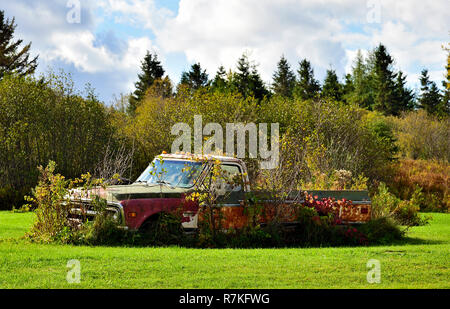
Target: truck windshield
x=171, y=172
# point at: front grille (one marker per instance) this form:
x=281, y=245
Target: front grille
x=82, y=211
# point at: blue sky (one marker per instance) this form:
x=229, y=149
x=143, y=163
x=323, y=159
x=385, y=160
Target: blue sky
x=106, y=46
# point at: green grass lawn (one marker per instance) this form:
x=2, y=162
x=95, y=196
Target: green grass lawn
x=423, y=261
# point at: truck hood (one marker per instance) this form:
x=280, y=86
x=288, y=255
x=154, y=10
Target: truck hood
x=133, y=191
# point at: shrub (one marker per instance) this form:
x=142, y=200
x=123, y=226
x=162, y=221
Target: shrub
x=326, y=138
x=51, y=201
x=47, y=119
x=429, y=177
x=387, y=205
x=49, y=196
x=382, y=231
x=422, y=136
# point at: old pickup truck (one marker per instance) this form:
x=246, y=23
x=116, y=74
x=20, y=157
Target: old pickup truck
x=137, y=205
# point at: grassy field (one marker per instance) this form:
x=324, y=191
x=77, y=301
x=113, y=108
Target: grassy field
x=423, y=261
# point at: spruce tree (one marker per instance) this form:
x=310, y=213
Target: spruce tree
x=384, y=82
x=430, y=98
x=13, y=59
x=331, y=88
x=404, y=96
x=348, y=88
x=283, y=79
x=257, y=88
x=151, y=70
x=307, y=86
x=241, y=78
x=219, y=82
x=196, y=78
x=247, y=81
x=361, y=94
x=446, y=85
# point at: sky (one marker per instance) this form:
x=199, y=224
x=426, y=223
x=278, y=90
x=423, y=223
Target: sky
x=103, y=42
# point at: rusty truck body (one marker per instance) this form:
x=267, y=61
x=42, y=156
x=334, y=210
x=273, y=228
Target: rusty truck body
x=137, y=204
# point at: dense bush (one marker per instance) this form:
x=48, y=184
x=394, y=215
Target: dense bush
x=324, y=137
x=382, y=231
x=46, y=119
x=422, y=136
x=49, y=198
x=51, y=203
x=426, y=182
x=387, y=205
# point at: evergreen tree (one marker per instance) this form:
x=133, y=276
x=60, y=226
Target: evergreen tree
x=360, y=92
x=348, y=88
x=384, y=82
x=257, y=88
x=307, y=86
x=241, y=78
x=12, y=58
x=283, y=79
x=404, y=96
x=247, y=81
x=151, y=70
x=430, y=98
x=446, y=85
x=331, y=88
x=220, y=80
x=196, y=78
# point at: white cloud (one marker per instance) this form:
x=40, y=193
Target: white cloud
x=54, y=39
x=325, y=32
x=142, y=13
x=214, y=33
x=218, y=32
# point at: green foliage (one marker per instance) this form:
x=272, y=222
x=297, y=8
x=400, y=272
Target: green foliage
x=331, y=88
x=375, y=85
x=422, y=136
x=383, y=79
x=387, y=205
x=382, y=231
x=196, y=78
x=220, y=81
x=151, y=70
x=247, y=81
x=358, y=84
x=46, y=119
x=430, y=98
x=307, y=86
x=325, y=136
x=425, y=182
x=163, y=230
x=13, y=60
x=51, y=206
x=405, y=97
x=150, y=128
x=283, y=79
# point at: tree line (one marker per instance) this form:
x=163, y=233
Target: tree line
x=373, y=83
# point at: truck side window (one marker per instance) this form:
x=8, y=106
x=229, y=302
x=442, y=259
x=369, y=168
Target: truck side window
x=231, y=180
x=234, y=174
